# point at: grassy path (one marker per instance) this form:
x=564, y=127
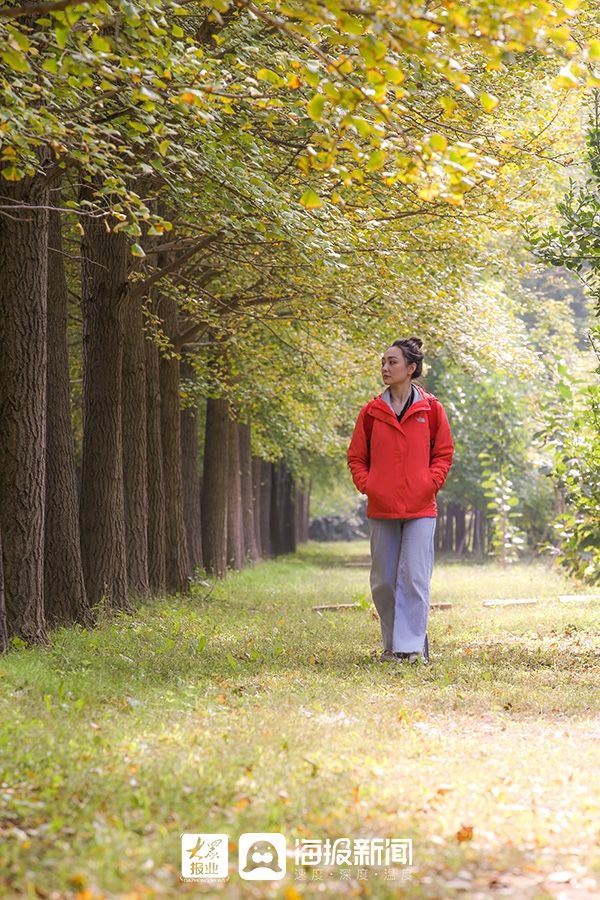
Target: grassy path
x=239, y=709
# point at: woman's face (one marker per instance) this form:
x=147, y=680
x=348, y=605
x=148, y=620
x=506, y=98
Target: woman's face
x=393, y=367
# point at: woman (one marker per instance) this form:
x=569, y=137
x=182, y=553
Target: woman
x=399, y=456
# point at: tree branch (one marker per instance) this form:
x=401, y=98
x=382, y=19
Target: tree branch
x=142, y=287
x=35, y=9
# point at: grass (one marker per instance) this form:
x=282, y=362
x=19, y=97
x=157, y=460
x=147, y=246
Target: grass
x=237, y=708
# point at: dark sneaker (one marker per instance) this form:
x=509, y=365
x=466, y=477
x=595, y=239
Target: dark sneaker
x=387, y=656
x=415, y=658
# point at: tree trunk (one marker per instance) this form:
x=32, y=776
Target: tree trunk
x=105, y=258
x=256, y=497
x=3, y=629
x=306, y=522
x=156, y=483
x=478, y=540
x=298, y=510
x=65, y=600
x=249, y=528
x=448, y=542
x=177, y=562
x=135, y=451
x=23, y=299
x=190, y=455
x=460, y=519
x=215, y=486
x=266, y=489
x=235, y=530
x=288, y=512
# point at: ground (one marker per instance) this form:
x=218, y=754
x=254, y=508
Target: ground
x=238, y=708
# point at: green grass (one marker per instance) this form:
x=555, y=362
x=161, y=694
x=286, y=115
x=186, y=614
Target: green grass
x=238, y=708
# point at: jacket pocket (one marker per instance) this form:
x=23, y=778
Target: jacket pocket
x=425, y=489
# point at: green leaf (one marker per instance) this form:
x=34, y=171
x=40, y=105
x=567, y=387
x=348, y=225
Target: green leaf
x=310, y=200
x=315, y=107
x=376, y=160
x=137, y=250
x=12, y=173
x=15, y=60
x=100, y=44
x=270, y=76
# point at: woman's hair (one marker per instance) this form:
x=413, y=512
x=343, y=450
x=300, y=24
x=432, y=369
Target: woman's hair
x=411, y=350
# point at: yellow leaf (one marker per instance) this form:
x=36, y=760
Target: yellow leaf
x=438, y=142
x=12, y=173
x=315, y=107
x=292, y=894
x=488, y=101
x=594, y=49
x=448, y=104
x=376, y=160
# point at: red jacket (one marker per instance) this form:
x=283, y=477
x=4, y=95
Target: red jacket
x=401, y=473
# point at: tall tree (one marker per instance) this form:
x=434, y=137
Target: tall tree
x=215, y=486
x=249, y=527
x=23, y=341
x=177, y=565
x=65, y=597
x=235, y=529
x=3, y=629
x=104, y=273
x=135, y=451
x=190, y=461
x=156, y=482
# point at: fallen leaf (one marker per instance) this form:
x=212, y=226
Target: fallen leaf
x=465, y=833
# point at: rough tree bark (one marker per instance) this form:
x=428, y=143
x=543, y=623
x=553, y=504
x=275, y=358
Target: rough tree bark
x=288, y=512
x=277, y=508
x=190, y=455
x=448, y=542
x=214, y=486
x=3, y=629
x=65, y=598
x=156, y=483
x=135, y=451
x=249, y=530
x=105, y=258
x=306, y=521
x=177, y=566
x=23, y=297
x=256, y=495
x=461, y=534
x=266, y=484
x=235, y=529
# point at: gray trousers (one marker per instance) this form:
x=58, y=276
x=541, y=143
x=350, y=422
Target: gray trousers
x=401, y=566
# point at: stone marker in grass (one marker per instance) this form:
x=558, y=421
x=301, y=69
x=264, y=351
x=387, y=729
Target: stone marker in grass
x=511, y=601
x=578, y=598
x=336, y=606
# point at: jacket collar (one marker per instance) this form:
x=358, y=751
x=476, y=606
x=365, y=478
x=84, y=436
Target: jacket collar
x=381, y=406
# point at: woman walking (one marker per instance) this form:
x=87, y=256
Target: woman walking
x=399, y=456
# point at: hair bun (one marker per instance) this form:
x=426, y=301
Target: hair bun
x=417, y=341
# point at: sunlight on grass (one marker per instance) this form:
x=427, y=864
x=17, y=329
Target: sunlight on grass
x=237, y=708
